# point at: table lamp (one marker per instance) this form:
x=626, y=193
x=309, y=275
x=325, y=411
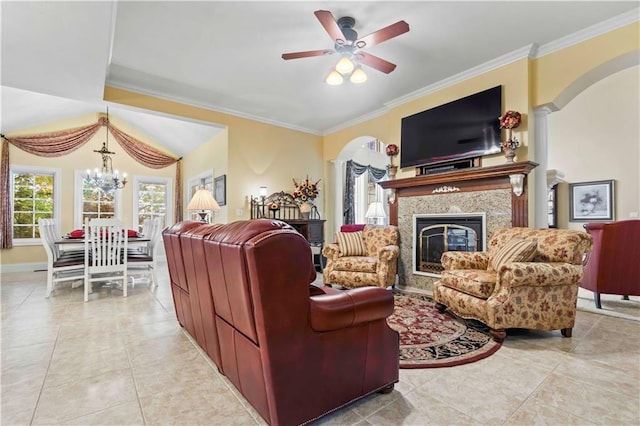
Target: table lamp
x=375, y=211
x=201, y=202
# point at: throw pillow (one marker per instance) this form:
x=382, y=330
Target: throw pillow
x=350, y=243
x=516, y=250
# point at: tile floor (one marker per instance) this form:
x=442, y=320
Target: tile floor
x=126, y=361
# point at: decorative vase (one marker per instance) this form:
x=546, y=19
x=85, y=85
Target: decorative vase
x=391, y=171
x=509, y=154
x=305, y=209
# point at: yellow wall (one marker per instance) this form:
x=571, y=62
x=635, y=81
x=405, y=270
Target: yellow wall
x=555, y=72
x=259, y=154
x=81, y=159
x=597, y=137
x=211, y=155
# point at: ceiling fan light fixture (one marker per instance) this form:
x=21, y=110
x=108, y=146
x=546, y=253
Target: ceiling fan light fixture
x=334, y=78
x=358, y=76
x=344, y=66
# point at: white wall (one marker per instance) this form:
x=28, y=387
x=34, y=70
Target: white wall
x=597, y=137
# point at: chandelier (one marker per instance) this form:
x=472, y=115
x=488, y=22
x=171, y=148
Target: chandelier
x=106, y=178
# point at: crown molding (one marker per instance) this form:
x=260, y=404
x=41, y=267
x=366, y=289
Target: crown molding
x=191, y=102
x=589, y=32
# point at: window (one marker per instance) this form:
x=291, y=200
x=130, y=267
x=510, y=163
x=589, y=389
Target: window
x=152, y=197
x=93, y=203
x=35, y=195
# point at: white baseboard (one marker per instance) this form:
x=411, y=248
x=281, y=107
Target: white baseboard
x=23, y=267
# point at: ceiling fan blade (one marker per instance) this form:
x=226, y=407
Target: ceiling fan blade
x=307, y=54
x=376, y=62
x=383, y=34
x=330, y=25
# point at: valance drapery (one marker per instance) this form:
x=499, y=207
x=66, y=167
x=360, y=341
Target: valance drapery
x=56, y=144
x=353, y=171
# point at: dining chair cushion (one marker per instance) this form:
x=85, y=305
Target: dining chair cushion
x=76, y=233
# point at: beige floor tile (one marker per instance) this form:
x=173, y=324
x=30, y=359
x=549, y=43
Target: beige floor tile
x=21, y=356
x=345, y=416
x=128, y=414
x=72, y=366
x=132, y=353
x=599, y=405
x=12, y=337
x=419, y=408
x=534, y=412
x=76, y=399
x=17, y=410
x=203, y=403
x=627, y=382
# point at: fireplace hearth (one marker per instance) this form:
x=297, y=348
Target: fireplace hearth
x=435, y=234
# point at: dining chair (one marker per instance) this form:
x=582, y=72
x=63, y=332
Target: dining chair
x=61, y=266
x=144, y=259
x=105, y=247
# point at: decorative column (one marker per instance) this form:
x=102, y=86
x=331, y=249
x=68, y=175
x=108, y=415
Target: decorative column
x=338, y=200
x=541, y=156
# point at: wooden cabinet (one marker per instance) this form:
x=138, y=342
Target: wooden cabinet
x=313, y=231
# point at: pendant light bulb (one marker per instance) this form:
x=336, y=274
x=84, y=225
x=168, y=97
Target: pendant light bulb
x=334, y=78
x=358, y=76
x=344, y=66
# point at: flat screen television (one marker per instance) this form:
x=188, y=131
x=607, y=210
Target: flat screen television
x=462, y=129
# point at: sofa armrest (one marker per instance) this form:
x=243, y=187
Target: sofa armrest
x=388, y=253
x=348, y=308
x=539, y=274
x=331, y=251
x=465, y=260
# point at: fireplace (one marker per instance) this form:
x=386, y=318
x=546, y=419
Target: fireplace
x=436, y=233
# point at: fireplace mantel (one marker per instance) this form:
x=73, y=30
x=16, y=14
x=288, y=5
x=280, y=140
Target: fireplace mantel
x=465, y=180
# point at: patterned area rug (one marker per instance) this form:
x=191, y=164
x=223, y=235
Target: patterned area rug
x=430, y=339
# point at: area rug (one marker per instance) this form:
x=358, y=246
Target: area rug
x=429, y=339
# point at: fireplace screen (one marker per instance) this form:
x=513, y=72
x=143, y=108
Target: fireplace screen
x=436, y=235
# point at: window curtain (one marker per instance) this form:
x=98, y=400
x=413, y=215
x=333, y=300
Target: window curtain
x=56, y=144
x=353, y=171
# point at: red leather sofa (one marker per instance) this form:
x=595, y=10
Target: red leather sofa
x=295, y=351
x=613, y=266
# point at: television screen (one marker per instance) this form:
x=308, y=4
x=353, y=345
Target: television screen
x=465, y=128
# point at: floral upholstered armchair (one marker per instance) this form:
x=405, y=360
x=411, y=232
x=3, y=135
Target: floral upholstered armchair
x=528, y=278
x=364, y=258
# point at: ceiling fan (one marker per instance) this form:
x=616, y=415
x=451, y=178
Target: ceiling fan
x=349, y=46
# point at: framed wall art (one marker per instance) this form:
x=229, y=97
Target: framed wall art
x=220, y=190
x=591, y=201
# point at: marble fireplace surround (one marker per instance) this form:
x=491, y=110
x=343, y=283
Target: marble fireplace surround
x=477, y=189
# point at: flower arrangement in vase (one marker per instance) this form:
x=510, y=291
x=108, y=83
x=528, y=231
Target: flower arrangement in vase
x=510, y=120
x=304, y=193
x=392, y=152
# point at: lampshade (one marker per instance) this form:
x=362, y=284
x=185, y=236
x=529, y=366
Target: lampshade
x=375, y=210
x=344, y=65
x=263, y=191
x=203, y=200
x=334, y=78
x=358, y=76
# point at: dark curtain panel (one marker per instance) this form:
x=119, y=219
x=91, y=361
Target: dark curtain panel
x=353, y=171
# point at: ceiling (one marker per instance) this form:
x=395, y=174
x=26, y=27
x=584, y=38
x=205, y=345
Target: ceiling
x=226, y=56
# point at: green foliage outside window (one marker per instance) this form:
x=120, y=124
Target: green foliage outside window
x=152, y=201
x=32, y=200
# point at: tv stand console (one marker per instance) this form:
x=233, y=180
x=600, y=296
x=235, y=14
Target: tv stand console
x=449, y=167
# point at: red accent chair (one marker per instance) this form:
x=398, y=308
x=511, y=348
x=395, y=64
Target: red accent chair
x=613, y=267
x=295, y=351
